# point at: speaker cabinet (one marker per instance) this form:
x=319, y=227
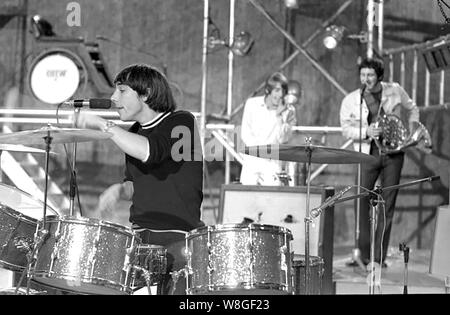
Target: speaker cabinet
x=284, y=206
x=440, y=255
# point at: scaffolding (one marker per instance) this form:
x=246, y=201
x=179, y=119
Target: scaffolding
x=299, y=49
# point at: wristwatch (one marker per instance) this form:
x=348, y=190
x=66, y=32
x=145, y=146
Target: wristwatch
x=109, y=124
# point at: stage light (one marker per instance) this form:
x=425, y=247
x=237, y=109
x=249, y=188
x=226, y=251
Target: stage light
x=41, y=27
x=333, y=35
x=291, y=4
x=241, y=46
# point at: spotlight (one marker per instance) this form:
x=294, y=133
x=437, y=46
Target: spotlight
x=242, y=43
x=333, y=35
x=41, y=27
x=291, y=4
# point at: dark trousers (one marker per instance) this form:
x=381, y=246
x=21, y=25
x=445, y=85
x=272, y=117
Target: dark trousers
x=389, y=168
x=174, y=243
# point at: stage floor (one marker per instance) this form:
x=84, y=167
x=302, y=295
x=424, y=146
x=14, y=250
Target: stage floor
x=354, y=280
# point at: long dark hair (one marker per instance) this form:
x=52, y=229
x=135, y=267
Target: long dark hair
x=375, y=64
x=148, y=81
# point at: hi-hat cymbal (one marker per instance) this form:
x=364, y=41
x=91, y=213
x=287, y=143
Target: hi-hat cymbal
x=58, y=135
x=299, y=153
x=20, y=148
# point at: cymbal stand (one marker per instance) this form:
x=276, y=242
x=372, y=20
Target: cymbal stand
x=41, y=232
x=308, y=220
x=377, y=193
x=73, y=183
x=48, y=140
x=405, y=250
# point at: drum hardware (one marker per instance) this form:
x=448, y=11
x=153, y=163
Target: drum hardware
x=150, y=263
x=375, y=201
x=405, y=249
x=305, y=154
x=19, y=214
x=175, y=277
x=147, y=277
x=50, y=135
x=32, y=255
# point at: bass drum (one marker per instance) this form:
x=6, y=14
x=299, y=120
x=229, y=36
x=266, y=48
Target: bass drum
x=19, y=214
x=239, y=259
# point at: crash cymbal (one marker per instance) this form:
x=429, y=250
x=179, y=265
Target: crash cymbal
x=298, y=153
x=20, y=148
x=58, y=135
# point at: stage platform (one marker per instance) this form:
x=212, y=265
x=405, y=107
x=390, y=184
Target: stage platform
x=354, y=280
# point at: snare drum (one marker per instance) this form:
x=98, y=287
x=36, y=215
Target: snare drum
x=153, y=259
x=86, y=255
x=315, y=281
x=19, y=214
x=239, y=259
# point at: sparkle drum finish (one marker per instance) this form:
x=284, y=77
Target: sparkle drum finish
x=19, y=214
x=86, y=255
x=239, y=259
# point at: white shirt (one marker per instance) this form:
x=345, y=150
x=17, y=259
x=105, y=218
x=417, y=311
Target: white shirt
x=262, y=126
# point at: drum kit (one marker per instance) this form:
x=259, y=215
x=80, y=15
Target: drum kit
x=89, y=256
x=69, y=253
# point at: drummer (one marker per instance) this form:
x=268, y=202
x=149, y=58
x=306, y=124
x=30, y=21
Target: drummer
x=163, y=164
x=267, y=119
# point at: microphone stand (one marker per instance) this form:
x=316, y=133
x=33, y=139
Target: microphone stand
x=405, y=250
x=356, y=252
x=372, y=194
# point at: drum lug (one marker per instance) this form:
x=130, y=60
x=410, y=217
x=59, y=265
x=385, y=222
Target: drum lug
x=127, y=261
x=23, y=244
x=189, y=262
x=283, y=251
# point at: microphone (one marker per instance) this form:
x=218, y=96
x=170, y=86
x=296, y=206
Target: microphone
x=329, y=202
x=363, y=88
x=96, y=103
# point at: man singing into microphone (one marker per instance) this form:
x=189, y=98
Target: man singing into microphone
x=378, y=98
x=163, y=163
x=267, y=120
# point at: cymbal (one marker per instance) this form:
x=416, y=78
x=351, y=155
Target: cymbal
x=58, y=135
x=20, y=148
x=298, y=153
